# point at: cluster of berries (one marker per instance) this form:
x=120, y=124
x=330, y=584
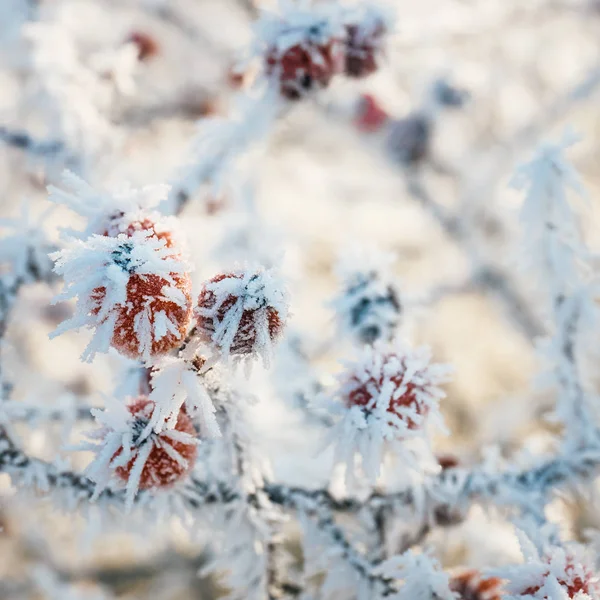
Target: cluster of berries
x=132, y=287
x=303, y=51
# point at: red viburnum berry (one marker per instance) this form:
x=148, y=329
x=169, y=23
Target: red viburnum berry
x=402, y=384
x=363, y=46
x=307, y=65
x=146, y=45
x=470, y=585
x=128, y=449
x=370, y=117
x=146, y=302
x=133, y=290
x=170, y=456
x=241, y=313
x=387, y=397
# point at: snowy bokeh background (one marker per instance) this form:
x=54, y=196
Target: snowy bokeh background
x=530, y=69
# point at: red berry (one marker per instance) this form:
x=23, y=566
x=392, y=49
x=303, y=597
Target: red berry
x=470, y=585
x=162, y=467
x=146, y=45
x=146, y=300
x=305, y=66
x=363, y=43
x=371, y=117
x=388, y=380
x=246, y=311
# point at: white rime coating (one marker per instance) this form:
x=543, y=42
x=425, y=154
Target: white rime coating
x=176, y=382
x=109, y=263
x=385, y=371
x=421, y=577
x=251, y=290
x=115, y=209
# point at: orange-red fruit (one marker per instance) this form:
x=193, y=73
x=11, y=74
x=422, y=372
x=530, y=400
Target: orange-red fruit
x=370, y=117
x=244, y=340
x=146, y=45
x=305, y=67
x=145, y=292
x=363, y=392
x=362, y=48
x=160, y=469
x=470, y=585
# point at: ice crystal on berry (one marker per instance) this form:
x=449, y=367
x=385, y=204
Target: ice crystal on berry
x=387, y=396
x=133, y=290
x=303, y=49
x=130, y=452
x=176, y=383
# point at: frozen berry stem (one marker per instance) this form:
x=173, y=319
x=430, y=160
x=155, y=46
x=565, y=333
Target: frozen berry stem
x=182, y=441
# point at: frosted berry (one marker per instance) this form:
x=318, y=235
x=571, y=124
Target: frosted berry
x=150, y=321
x=363, y=46
x=403, y=396
x=370, y=116
x=146, y=45
x=394, y=382
x=470, y=585
x=169, y=459
x=307, y=66
x=241, y=313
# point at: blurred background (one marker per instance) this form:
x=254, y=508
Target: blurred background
x=323, y=186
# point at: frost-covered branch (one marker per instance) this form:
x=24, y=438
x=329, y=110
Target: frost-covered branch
x=24, y=141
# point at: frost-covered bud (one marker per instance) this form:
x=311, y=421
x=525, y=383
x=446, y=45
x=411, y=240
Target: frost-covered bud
x=409, y=140
x=242, y=313
x=135, y=455
x=471, y=585
x=369, y=305
x=370, y=117
x=132, y=289
x=365, y=30
x=388, y=395
x=304, y=49
x=447, y=95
